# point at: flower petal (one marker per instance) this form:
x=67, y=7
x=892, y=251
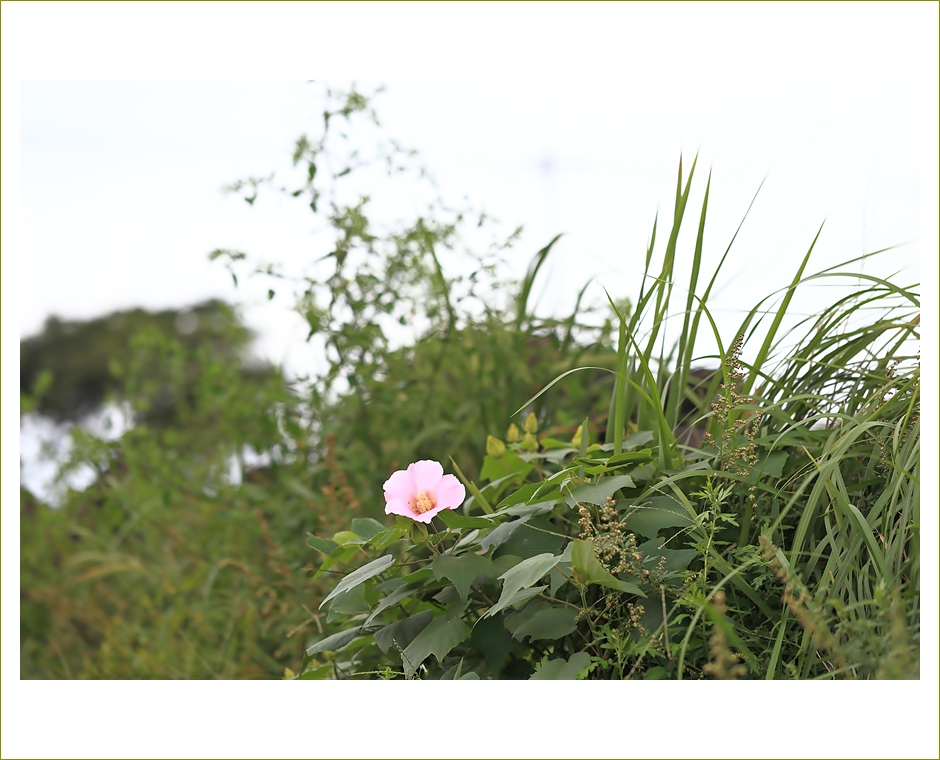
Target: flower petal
x=427, y=474
x=401, y=485
x=450, y=493
x=399, y=507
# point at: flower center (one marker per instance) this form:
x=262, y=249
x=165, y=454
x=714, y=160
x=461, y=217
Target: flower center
x=423, y=503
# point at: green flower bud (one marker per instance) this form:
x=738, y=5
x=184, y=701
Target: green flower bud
x=576, y=440
x=513, y=435
x=531, y=423
x=418, y=533
x=495, y=447
x=529, y=443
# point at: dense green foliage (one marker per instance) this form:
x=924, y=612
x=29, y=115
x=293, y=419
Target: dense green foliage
x=600, y=537
x=787, y=546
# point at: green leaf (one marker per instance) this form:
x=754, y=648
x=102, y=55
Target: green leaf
x=388, y=537
x=440, y=636
x=542, y=622
x=322, y=545
x=402, y=632
x=587, y=569
x=533, y=538
x=660, y=512
x=366, y=527
x=520, y=596
x=522, y=576
x=508, y=464
x=520, y=496
x=599, y=492
x=361, y=575
x=493, y=641
x=335, y=642
x=676, y=559
x=457, y=522
x=562, y=670
x=630, y=457
x=502, y=533
x=402, y=592
x=462, y=570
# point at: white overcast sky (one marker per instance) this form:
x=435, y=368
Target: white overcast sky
x=121, y=122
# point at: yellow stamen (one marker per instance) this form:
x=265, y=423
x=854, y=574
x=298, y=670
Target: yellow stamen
x=424, y=503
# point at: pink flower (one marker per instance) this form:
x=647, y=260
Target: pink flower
x=421, y=491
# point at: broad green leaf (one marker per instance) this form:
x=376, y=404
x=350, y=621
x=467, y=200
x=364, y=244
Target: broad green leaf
x=366, y=527
x=456, y=522
x=543, y=622
x=361, y=575
x=562, y=670
x=502, y=533
x=522, y=576
x=402, y=632
x=346, y=537
x=391, y=600
x=493, y=641
x=322, y=545
x=335, y=642
x=599, y=492
x=561, y=572
x=388, y=537
x=630, y=457
x=520, y=596
x=341, y=555
x=587, y=569
x=471, y=676
x=519, y=496
x=660, y=512
x=440, y=636
x=537, y=536
x=676, y=559
x=462, y=570
x=508, y=464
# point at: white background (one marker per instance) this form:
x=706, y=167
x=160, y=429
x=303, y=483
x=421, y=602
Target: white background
x=121, y=122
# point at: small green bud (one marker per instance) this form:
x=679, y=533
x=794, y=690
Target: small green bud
x=529, y=443
x=495, y=447
x=576, y=440
x=531, y=423
x=418, y=533
x=513, y=435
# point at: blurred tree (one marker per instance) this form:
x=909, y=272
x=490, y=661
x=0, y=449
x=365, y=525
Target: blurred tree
x=77, y=365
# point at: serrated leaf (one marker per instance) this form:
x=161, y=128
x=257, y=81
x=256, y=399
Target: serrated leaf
x=562, y=670
x=438, y=638
x=522, y=576
x=361, y=575
x=402, y=632
x=462, y=570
